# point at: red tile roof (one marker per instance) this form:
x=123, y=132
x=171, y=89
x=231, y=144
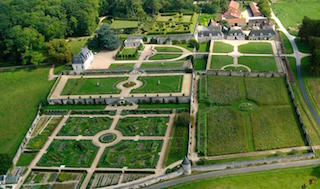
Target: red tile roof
x=236, y=20
x=232, y=13
x=234, y=4
x=255, y=9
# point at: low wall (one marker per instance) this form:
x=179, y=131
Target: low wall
x=113, y=100
x=240, y=164
x=170, y=37
x=26, y=137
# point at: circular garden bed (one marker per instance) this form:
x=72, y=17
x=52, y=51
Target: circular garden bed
x=107, y=138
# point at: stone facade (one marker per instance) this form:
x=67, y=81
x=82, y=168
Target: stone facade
x=83, y=61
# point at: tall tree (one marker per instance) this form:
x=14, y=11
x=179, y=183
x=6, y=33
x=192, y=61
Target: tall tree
x=105, y=39
x=59, y=51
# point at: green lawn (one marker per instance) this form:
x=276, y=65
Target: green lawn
x=123, y=24
x=259, y=64
x=200, y=64
x=236, y=68
x=204, y=47
x=160, y=84
x=274, y=179
x=85, y=126
x=186, y=46
x=286, y=43
x=21, y=92
x=178, y=144
x=91, y=86
x=117, y=66
x=167, y=49
x=286, y=11
x=175, y=64
x=74, y=107
x=132, y=154
x=205, y=18
x=302, y=46
x=70, y=153
x=149, y=126
x=221, y=47
x=256, y=48
x=163, y=106
x=164, y=56
x=76, y=45
x=218, y=62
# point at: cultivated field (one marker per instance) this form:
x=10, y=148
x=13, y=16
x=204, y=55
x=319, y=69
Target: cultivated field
x=132, y=154
x=149, y=126
x=240, y=114
x=85, y=126
x=70, y=153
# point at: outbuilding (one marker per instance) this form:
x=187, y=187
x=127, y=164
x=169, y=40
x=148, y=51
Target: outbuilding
x=82, y=61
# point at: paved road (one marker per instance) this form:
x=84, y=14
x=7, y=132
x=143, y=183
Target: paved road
x=298, y=55
x=232, y=172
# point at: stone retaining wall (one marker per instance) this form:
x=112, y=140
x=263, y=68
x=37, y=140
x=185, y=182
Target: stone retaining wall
x=170, y=37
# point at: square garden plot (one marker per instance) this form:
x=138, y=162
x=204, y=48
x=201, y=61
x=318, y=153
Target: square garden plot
x=239, y=114
x=149, y=126
x=160, y=84
x=70, y=153
x=92, y=86
x=256, y=48
x=85, y=126
x=132, y=154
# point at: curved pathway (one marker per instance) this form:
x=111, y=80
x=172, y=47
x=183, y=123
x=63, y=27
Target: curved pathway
x=298, y=55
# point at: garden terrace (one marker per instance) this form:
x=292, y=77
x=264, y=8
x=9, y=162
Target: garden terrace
x=70, y=153
x=123, y=24
x=132, y=154
x=143, y=126
x=239, y=114
x=85, y=126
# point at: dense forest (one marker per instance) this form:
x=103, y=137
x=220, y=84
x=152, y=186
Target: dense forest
x=28, y=26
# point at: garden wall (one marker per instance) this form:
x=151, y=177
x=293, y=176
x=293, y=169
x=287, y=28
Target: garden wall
x=114, y=100
x=171, y=37
x=241, y=164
